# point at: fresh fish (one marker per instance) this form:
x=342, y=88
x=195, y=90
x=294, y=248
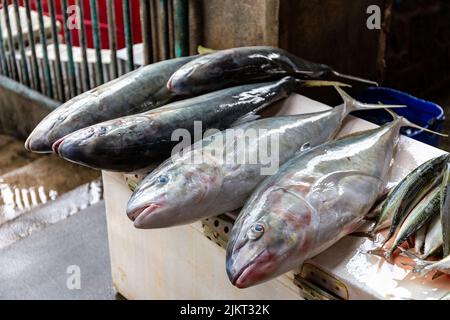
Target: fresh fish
x=420, y=239
x=180, y=191
x=313, y=200
x=138, y=91
x=410, y=191
x=130, y=143
x=425, y=210
x=424, y=267
x=433, y=239
x=237, y=66
x=445, y=209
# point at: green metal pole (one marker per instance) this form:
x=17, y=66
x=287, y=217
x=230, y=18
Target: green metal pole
x=97, y=44
x=112, y=37
x=59, y=74
x=3, y=53
x=68, y=41
x=82, y=35
x=164, y=27
x=146, y=30
x=15, y=70
x=34, y=62
x=181, y=28
x=128, y=34
x=23, y=57
x=47, y=74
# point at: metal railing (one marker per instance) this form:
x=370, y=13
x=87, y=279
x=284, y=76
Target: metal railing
x=37, y=46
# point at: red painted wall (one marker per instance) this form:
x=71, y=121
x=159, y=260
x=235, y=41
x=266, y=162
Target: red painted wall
x=103, y=21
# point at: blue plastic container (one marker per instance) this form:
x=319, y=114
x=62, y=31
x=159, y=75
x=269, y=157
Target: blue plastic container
x=424, y=113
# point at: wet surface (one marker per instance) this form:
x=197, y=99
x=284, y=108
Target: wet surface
x=38, y=190
x=13, y=155
x=38, y=183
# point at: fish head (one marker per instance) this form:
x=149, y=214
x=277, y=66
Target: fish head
x=87, y=145
x=64, y=120
x=174, y=194
x=45, y=133
x=194, y=77
x=270, y=237
x=103, y=144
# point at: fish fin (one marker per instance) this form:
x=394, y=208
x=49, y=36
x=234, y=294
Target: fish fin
x=324, y=182
x=363, y=234
x=420, y=265
x=352, y=104
x=407, y=123
x=249, y=117
x=393, y=114
x=202, y=50
x=349, y=77
x=323, y=83
x=437, y=275
x=380, y=252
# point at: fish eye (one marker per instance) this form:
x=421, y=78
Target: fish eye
x=163, y=179
x=256, y=231
x=102, y=130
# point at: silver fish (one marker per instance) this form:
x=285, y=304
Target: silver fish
x=425, y=210
x=445, y=209
x=180, y=191
x=314, y=200
x=424, y=267
x=408, y=192
x=420, y=239
x=236, y=66
x=131, y=143
x=433, y=238
x=135, y=92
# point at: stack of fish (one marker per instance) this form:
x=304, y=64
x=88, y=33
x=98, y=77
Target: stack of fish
x=321, y=192
x=418, y=209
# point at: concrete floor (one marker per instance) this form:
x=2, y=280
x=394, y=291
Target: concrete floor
x=36, y=267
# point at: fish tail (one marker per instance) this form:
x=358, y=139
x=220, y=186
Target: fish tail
x=380, y=252
x=407, y=123
x=420, y=265
x=203, y=50
x=322, y=83
x=353, y=78
x=352, y=104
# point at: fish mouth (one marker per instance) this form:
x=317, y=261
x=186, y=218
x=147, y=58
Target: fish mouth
x=39, y=145
x=57, y=145
x=244, y=278
x=27, y=144
x=169, y=85
x=140, y=214
x=178, y=88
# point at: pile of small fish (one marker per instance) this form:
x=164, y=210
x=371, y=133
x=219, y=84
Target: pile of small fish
x=323, y=190
x=418, y=209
